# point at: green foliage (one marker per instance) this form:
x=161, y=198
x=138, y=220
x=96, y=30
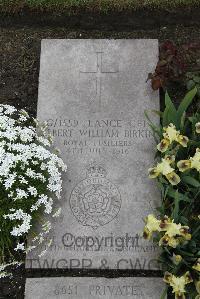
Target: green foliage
x=171, y=115
x=193, y=80
x=181, y=202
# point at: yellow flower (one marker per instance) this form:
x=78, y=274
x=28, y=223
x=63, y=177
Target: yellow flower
x=169, y=241
x=197, y=285
x=184, y=165
x=161, y=168
x=163, y=145
x=184, y=233
x=178, y=283
x=197, y=126
x=165, y=221
x=173, y=178
x=170, y=135
x=152, y=225
x=165, y=169
x=195, y=161
x=173, y=229
x=183, y=140
x=176, y=259
x=174, y=233
x=147, y=234
x=197, y=266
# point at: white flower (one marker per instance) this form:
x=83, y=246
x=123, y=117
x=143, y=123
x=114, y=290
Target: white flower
x=57, y=213
x=22, y=118
x=26, y=134
x=24, y=217
x=21, y=193
x=43, y=200
x=40, y=239
x=30, y=248
x=30, y=173
x=44, y=141
x=20, y=246
x=32, y=191
x=27, y=162
x=23, y=180
x=11, y=194
x=9, y=109
x=42, y=253
x=46, y=227
x=4, y=274
x=48, y=206
x=43, y=166
x=9, y=181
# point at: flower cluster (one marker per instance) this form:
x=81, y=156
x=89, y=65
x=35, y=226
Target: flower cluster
x=167, y=167
x=176, y=229
x=174, y=234
x=30, y=179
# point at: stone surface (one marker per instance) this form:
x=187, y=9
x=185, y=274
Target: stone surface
x=94, y=288
x=93, y=94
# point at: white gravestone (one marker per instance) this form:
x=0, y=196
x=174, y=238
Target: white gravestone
x=93, y=94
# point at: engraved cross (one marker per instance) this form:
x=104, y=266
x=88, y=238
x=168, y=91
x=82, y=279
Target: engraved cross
x=99, y=74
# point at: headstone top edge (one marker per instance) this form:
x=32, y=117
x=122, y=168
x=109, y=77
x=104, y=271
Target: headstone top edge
x=48, y=40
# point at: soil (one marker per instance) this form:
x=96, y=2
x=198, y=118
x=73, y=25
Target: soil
x=19, y=69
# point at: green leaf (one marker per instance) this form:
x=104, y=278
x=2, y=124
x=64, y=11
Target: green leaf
x=176, y=206
x=190, y=84
x=156, y=130
x=185, y=103
x=191, y=181
x=182, y=197
x=196, y=79
x=170, y=113
x=182, y=121
x=198, y=91
x=184, y=220
x=156, y=112
x=185, y=253
x=165, y=121
x=164, y=294
x=196, y=232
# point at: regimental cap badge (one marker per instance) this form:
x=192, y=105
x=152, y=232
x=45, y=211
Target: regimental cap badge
x=95, y=170
x=95, y=200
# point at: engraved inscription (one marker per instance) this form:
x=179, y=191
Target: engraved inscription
x=103, y=291
x=97, y=136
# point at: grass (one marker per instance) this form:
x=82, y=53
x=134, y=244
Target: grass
x=94, y=5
